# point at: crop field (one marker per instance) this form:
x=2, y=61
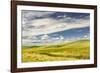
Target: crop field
x=76, y=50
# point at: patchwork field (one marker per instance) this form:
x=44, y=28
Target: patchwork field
x=76, y=50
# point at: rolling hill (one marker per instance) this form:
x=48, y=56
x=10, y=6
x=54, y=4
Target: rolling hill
x=76, y=50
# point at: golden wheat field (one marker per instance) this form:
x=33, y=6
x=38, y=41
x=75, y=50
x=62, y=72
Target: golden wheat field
x=76, y=50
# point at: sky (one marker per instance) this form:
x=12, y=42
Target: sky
x=46, y=27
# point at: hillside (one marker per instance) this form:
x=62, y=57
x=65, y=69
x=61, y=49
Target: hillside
x=75, y=50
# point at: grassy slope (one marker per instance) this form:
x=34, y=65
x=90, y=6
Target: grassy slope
x=67, y=51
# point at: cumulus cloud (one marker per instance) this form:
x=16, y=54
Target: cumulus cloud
x=45, y=37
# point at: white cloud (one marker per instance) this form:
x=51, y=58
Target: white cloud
x=57, y=38
x=85, y=36
x=46, y=25
x=61, y=37
x=62, y=16
x=49, y=25
x=45, y=37
x=31, y=14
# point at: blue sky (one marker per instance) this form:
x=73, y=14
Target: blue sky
x=41, y=27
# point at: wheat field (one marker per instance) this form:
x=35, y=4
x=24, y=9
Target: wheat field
x=76, y=50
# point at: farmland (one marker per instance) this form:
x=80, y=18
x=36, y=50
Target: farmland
x=76, y=50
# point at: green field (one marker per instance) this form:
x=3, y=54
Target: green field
x=76, y=50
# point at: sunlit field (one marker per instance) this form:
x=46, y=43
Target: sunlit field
x=76, y=50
